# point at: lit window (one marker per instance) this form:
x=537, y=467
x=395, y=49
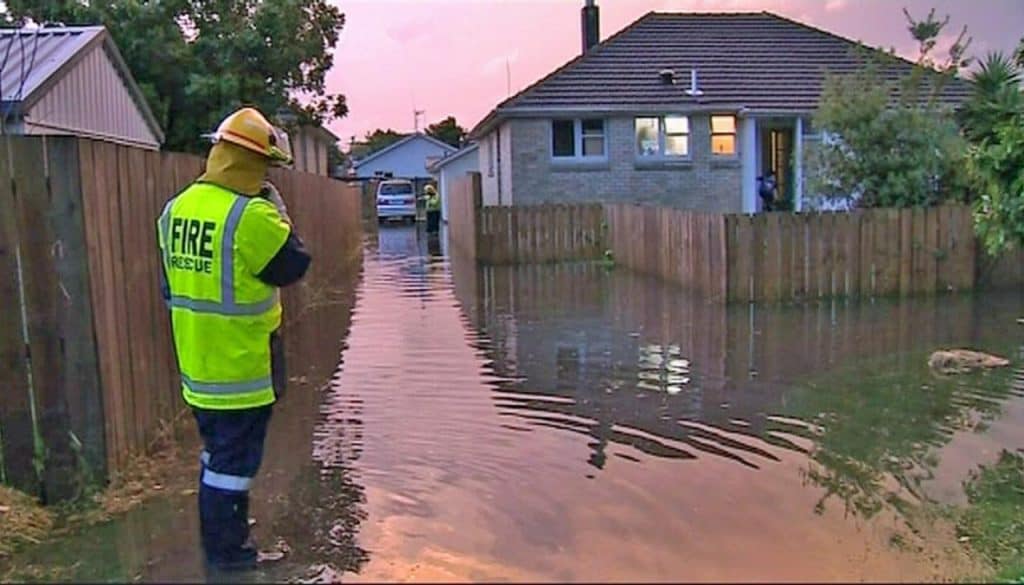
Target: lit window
x=647, y=137
x=723, y=135
x=677, y=136
x=668, y=136
x=578, y=139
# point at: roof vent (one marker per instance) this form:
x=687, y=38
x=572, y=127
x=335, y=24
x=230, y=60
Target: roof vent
x=668, y=76
x=694, y=90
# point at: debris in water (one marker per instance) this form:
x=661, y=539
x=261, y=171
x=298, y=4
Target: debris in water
x=962, y=361
x=320, y=574
x=188, y=492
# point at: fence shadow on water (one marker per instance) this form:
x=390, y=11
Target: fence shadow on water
x=86, y=362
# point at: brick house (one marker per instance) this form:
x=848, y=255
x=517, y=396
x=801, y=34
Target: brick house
x=679, y=109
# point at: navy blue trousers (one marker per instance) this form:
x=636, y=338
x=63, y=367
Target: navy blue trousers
x=233, y=442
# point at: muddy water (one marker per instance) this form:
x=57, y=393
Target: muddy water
x=570, y=423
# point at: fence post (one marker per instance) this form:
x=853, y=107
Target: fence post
x=476, y=212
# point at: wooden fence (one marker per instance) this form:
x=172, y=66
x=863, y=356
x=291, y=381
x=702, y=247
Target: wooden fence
x=531, y=234
x=682, y=247
x=769, y=257
x=86, y=362
x=789, y=257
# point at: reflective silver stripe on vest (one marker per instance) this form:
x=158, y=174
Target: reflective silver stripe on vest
x=165, y=231
x=223, y=481
x=216, y=308
x=227, y=252
x=227, y=387
x=227, y=305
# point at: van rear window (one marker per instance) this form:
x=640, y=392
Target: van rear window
x=396, y=189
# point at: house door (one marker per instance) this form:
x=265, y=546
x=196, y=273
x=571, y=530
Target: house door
x=777, y=157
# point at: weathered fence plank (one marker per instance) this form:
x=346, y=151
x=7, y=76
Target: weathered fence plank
x=17, y=428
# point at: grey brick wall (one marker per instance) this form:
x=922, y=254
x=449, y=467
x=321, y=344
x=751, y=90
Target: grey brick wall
x=704, y=183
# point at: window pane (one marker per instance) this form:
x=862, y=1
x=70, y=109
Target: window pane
x=723, y=144
x=677, y=145
x=593, y=127
x=647, y=136
x=593, y=146
x=677, y=125
x=563, y=138
x=723, y=124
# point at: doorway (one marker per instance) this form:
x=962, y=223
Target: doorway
x=776, y=156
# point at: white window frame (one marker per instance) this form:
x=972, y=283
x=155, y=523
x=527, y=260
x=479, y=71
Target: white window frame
x=577, y=131
x=662, y=156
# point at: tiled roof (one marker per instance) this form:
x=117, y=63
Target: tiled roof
x=759, y=61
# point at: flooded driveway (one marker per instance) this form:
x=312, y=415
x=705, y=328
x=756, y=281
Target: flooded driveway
x=573, y=423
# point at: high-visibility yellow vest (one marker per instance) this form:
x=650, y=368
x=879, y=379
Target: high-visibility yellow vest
x=433, y=203
x=214, y=242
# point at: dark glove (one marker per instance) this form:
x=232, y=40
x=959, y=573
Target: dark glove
x=278, y=372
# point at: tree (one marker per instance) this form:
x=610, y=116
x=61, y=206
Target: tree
x=995, y=98
x=998, y=165
x=374, y=141
x=449, y=131
x=993, y=120
x=892, y=144
x=197, y=60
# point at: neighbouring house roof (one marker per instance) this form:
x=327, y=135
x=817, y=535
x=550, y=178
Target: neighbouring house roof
x=418, y=136
x=756, y=62
x=322, y=133
x=440, y=164
x=33, y=60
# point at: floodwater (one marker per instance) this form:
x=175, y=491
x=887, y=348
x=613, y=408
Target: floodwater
x=573, y=423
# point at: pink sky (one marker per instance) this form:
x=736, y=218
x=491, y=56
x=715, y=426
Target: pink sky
x=448, y=57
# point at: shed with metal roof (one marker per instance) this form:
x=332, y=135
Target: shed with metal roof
x=72, y=81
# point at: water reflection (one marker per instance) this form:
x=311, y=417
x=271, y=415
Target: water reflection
x=625, y=360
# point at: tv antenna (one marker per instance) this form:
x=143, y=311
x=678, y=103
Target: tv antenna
x=417, y=115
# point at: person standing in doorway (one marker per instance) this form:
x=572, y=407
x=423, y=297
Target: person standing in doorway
x=227, y=245
x=433, y=209
x=767, y=189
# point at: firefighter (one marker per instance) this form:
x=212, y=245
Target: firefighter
x=227, y=245
x=433, y=209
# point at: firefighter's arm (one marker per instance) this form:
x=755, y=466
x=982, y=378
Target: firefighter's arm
x=271, y=250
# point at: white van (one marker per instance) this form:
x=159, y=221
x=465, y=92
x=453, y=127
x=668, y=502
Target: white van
x=396, y=199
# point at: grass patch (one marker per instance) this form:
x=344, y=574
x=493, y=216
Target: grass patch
x=993, y=522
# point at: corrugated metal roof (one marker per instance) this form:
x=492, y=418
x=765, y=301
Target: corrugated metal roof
x=30, y=57
x=760, y=61
x=33, y=61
